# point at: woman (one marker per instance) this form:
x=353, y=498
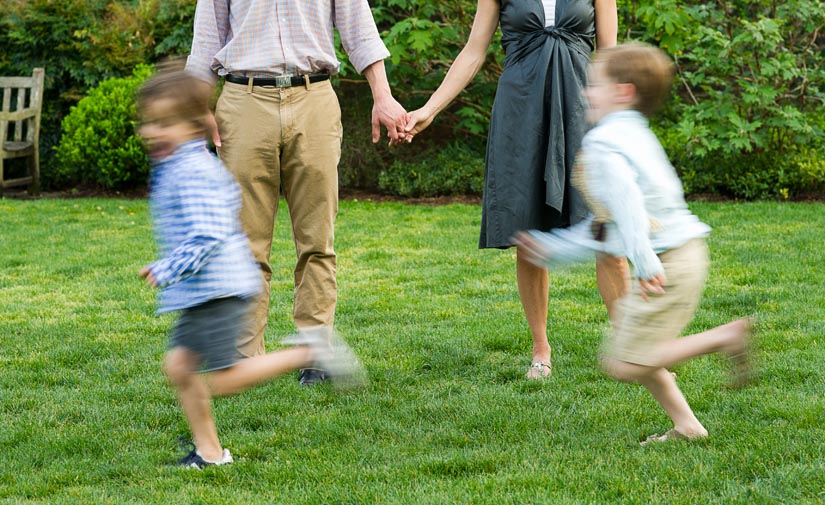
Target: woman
x=536, y=128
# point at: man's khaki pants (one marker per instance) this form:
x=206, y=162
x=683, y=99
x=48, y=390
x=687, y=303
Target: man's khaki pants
x=286, y=140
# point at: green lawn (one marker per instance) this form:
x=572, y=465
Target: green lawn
x=85, y=415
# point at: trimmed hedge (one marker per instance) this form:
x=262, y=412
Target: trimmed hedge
x=99, y=145
x=453, y=170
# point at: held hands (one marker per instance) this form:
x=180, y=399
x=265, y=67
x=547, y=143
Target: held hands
x=418, y=121
x=389, y=113
x=146, y=273
x=401, y=126
x=655, y=285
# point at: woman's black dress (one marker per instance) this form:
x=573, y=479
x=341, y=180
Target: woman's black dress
x=537, y=122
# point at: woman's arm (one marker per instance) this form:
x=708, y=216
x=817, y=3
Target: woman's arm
x=464, y=68
x=607, y=23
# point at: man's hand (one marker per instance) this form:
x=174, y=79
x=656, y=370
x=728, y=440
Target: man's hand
x=146, y=273
x=389, y=113
x=655, y=285
x=385, y=110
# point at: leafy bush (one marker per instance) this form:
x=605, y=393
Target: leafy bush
x=361, y=160
x=423, y=38
x=83, y=42
x=745, y=119
x=750, y=92
x=99, y=144
x=169, y=24
x=454, y=170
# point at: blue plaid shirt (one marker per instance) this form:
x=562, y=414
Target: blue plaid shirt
x=195, y=203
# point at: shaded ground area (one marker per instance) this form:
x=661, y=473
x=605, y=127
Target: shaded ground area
x=345, y=194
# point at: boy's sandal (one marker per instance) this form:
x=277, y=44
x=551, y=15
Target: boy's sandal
x=536, y=370
x=741, y=368
x=669, y=435
x=742, y=371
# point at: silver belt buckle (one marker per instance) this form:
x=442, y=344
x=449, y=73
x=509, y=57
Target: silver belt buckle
x=283, y=81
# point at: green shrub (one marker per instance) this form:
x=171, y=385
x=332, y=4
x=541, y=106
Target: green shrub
x=423, y=38
x=99, y=145
x=361, y=160
x=454, y=170
x=807, y=174
x=81, y=43
x=749, y=92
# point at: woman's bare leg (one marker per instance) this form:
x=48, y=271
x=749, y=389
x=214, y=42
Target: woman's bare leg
x=533, y=288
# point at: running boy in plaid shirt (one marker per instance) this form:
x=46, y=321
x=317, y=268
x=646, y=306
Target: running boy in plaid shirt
x=207, y=270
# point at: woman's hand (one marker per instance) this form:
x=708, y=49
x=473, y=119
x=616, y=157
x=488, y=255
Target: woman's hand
x=418, y=121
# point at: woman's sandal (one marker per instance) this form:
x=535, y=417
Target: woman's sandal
x=536, y=370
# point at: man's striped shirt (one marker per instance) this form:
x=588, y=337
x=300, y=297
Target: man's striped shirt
x=267, y=38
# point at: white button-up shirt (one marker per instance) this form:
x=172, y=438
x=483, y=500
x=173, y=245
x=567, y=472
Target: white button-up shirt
x=632, y=185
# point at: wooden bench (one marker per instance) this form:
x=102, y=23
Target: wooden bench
x=20, y=127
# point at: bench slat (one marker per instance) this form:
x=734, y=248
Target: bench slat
x=18, y=115
x=17, y=82
x=20, y=181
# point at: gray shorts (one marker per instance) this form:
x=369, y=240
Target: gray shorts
x=211, y=330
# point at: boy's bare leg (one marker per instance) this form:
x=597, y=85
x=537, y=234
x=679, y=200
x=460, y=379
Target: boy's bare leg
x=181, y=368
x=662, y=385
x=730, y=338
x=195, y=390
x=533, y=288
x=613, y=279
x=252, y=371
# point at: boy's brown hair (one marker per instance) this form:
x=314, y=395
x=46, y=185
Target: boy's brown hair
x=644, y=66
x=188, y=95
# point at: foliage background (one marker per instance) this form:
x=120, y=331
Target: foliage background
x=746, y=118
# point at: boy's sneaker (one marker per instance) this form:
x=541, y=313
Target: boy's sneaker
x=311, y=376
x=196, y=461
x=331, y=354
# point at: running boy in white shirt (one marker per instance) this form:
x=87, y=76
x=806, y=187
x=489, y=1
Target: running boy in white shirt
x=640, y=212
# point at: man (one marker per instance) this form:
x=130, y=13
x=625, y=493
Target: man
x=278, y=129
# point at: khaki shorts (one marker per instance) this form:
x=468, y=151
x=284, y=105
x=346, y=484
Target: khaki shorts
x=645, y=324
